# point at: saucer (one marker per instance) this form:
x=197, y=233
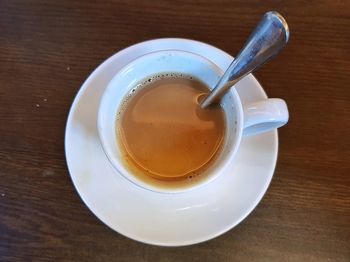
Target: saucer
x=157, y=218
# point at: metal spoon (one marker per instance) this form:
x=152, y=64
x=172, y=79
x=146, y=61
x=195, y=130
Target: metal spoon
x=266, y=41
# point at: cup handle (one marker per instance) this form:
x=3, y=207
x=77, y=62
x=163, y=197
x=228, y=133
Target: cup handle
x=265, y=115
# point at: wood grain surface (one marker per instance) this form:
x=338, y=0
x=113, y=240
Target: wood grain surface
x=48, y=48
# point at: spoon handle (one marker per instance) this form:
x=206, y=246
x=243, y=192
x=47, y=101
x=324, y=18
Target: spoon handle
x=266, y=41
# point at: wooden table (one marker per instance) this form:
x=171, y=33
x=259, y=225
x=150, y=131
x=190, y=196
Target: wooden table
x=48, y=48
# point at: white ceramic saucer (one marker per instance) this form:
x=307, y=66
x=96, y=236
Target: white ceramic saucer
x=156, y=218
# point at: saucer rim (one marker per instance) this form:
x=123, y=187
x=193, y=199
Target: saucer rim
x=91, y=207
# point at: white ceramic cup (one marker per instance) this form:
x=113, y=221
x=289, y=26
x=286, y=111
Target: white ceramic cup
x=256, y=118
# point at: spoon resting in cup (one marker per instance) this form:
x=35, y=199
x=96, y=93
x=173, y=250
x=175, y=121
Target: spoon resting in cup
x=266, y=41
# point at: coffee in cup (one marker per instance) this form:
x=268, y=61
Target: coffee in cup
x=163, y=132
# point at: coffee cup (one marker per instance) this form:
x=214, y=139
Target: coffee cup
x=253, y=119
